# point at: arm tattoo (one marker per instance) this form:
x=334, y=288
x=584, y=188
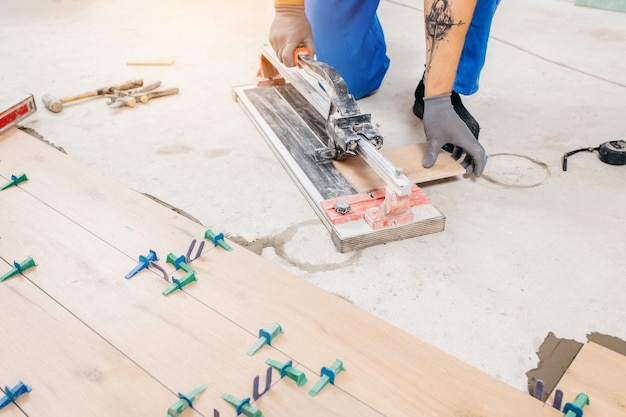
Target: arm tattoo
x=438, y=23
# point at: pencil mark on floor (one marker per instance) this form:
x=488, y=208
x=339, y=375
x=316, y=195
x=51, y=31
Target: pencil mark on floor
x=516, y=171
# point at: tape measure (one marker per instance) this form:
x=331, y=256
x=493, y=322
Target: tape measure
x=17, y=112
x=612, y=152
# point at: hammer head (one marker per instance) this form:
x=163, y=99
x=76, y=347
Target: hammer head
x=52, y=103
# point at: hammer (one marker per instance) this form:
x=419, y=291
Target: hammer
x=55, y=104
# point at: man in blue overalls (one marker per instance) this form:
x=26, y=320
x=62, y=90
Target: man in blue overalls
x=347, y=35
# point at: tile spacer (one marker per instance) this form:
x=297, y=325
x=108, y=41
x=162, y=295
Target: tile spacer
x=14, y=181
x=558, y=398
x=144, y=262
x=265, y=337
x=286, y=369
x=11, y=394
x=217, y=240
x=575, y=409
x=327, y=375
x=179, y=262
x=178, y=284
x=189, y=277
x=242, y=406
x=188, y=257
x=185, y=401
x=539, y=385
x=19, y=268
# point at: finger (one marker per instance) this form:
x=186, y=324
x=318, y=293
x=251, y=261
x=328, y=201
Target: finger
x=467, y=163
x=457, y=153
x=477, y=152
x=433, y=148
x=310, y=46
x=480, y=167
x=286, y=54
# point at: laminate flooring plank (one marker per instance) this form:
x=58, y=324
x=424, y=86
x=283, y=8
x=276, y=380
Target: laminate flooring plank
x=71, y=369
x=104, y=207
x=180, y=342
x=177, y=339
x=392, y=371
x=387, y=368
x=601, y=374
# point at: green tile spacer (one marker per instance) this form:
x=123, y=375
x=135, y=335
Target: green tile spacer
x=18, y=268
x=242, y=406
x=575, y=409
x=287, y=370
x=188, y=278
x=184, y=402
x=327, y=375
x=14, y=181
x=178, y=262
x=265, y=338
x=217, y=240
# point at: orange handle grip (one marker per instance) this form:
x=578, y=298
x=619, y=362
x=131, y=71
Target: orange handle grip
x=300, y=50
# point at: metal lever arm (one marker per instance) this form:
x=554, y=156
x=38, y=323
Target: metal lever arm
x=350, y=131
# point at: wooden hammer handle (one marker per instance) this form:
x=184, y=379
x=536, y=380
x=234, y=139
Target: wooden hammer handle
x=155, y=94
x=105, y=90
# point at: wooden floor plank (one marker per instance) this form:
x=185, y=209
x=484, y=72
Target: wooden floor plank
x=388, y=370
x=601, y=374
x=70, y=368
x=409, y=157
x=177, y=339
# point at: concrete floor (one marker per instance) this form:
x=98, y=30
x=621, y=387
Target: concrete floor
x=528, y=249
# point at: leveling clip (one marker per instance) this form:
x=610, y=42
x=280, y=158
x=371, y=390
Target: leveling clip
x=575, y=409
x=144, y=262
x=327, y=375
x=19, y=268
x=242, y=406
x=189, y=277
x=11, y=394
x=185, y=401
x=217, y=240
x=286, y=369
x=265, y=338
x=15, y=179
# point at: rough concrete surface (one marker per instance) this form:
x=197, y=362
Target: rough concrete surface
x=528, y=249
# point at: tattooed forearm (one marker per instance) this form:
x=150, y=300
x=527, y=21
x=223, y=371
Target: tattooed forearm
x=438, y=22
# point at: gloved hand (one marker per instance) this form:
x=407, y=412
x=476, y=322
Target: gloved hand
x=442, y=125
x=290, y=29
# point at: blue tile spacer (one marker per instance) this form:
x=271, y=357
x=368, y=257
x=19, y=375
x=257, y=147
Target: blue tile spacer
x=144, y=262
x=217, y=238
x=186, y=399
x=329, y=373
x=268, y=337
x=11, y=394
x=283, y=369
x=245, y=401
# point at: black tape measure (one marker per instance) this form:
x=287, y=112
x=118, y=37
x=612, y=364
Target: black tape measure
x=612, y=152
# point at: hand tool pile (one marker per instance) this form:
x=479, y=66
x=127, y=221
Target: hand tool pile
x=130, y=98
x=125, y=94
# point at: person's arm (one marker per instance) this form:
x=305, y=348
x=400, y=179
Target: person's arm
x=290, y=29
x=446, y=24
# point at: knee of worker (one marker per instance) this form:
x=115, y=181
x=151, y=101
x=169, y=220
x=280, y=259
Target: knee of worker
x=475, y=48
x=349, y=37
x=362, y=74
